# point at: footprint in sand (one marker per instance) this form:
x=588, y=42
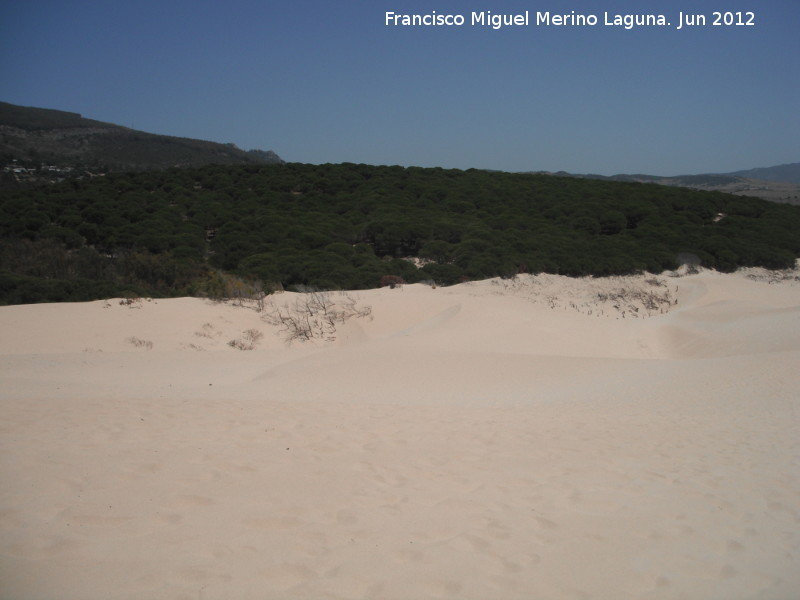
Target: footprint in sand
x=285, y=576
x=662, y=583
x=346, y=517
x=170, y=518
x=476, y=543
x=406, y=556
x=497, y=530
x=728, y=572
x=733, y=546
x=546, y=523
x=191, y=501
x=510, y=566
x=44, y=548
x=274, y=523
x=204, y=575
x=438, y=589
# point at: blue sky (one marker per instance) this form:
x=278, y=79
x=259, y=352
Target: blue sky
x=328, y=81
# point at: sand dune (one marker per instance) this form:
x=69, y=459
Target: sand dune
x=541, y=437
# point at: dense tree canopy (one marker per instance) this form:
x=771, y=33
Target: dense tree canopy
x=348, y=225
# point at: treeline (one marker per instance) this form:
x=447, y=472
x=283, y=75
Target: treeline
x=346, y=226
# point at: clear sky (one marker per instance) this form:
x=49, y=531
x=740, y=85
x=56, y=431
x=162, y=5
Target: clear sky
x=328, y=81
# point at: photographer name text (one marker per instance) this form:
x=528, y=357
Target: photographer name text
x=572, y=19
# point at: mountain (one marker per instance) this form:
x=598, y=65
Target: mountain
x=36, y=136
x=785, y=173
x=776, y=184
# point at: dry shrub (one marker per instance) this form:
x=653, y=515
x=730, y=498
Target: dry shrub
x=315, y=315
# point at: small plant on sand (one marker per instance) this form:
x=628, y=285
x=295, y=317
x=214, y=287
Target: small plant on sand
x=140, y=343
x=392, y=281
x=247, y=341
x=208, y=331
x=131, y=302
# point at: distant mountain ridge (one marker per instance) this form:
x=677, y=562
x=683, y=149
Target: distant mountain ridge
x=777, y=184
x=39, y=136
x=62, y=138
x=789, y=173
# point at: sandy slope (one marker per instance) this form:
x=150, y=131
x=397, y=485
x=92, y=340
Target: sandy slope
x=535, y=438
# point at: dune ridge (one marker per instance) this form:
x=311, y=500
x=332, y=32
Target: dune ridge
x=541, y=437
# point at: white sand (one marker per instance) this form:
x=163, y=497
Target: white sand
x=494, y=440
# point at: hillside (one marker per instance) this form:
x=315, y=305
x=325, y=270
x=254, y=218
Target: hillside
x=784, y=173
x=218, y=230
x=776, y=184
x=33, y=136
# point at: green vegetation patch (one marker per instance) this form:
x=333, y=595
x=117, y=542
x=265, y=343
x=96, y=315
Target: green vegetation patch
x=345, y=226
